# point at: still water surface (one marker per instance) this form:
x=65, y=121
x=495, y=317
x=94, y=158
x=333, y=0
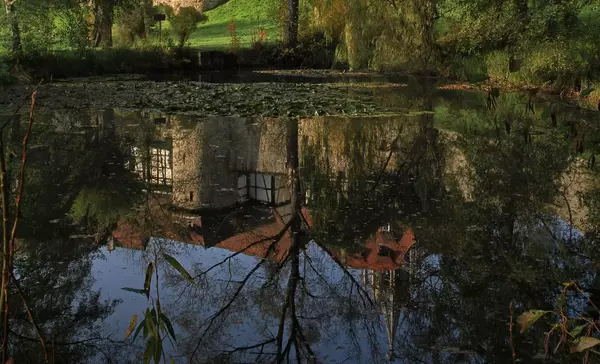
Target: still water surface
x=403, y=237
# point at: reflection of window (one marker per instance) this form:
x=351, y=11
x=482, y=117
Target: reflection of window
x=386, y=228
x=155, y=167
x=260, y=187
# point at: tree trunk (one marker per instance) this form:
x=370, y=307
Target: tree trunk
x=147, y=16
x=103, y=21
x=291, y=29
x=11, y=15
x=426, y=10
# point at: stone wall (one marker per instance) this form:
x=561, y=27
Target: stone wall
x=211, y=4
x=176, y=4
x=202, y=5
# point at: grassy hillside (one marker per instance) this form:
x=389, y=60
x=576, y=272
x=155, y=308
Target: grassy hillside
x=249, y=16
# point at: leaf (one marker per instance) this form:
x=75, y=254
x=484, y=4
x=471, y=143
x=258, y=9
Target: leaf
x=152, y=327
x=583, y=94
x=140, y=327
x=584, y=343
x=496, y=92
x=157, y=351
x=149, y=350
x=577, y=330
x=526, y=319
x=561, y=302
x=175, y=264
x=131, y=326
x=134, y=290
x=148, y=279
x=546, y=113
x=167, y=324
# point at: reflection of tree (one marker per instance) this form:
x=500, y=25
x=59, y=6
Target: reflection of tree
x=55, y=275
x=53, y=269
x=496, y=247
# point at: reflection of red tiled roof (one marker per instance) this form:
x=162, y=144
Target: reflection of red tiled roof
x=382, y=251
x=393, y=250
x=255, y=241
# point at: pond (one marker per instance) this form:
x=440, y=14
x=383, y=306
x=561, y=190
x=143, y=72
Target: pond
x=301, y=220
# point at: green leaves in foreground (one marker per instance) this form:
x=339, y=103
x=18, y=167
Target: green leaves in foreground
x=155, y=322
x=175, y=264
x=131, y=326
x=134, y=290
x=584, y=343
x=148, y=279
x=528, y=318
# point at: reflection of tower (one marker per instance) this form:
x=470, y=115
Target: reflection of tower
x=391, y=290
x=216, y=163
x=154, y=165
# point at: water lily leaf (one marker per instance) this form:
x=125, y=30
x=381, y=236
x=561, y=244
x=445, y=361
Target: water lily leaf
x=528, y=318
x=584, y=93
x=131, y=326
x=175, y=264
x=584, y=343
x=148, y=279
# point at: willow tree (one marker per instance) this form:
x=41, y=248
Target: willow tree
x=384, y=34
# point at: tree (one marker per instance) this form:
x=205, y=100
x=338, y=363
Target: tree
x=103, y=22
x=11, y=15
x=291, y=26
x=184, y=21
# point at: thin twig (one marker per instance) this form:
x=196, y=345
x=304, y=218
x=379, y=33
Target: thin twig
x=337, y=261
x=512, y=344
x=234, y=297
x=19, y=107
x=38, y=331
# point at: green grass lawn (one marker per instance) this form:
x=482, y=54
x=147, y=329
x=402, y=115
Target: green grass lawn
x=249, y=16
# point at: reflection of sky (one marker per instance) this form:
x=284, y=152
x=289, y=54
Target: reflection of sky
x=126, y=268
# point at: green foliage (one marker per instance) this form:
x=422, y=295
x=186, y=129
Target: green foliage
x=134, y=20
x=156, y=326
x=184, y=23
x=571, y=327
x=102, y=205
x=526, y=319
x=73, y=27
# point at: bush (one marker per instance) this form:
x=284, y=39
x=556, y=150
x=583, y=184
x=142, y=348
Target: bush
x=109, y=61
x=464, y=68
x=185, y=22
x=73, y=27
x=134, y=22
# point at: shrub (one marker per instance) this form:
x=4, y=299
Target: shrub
x=74, y=28
x=234, y=44
x=133, y=22
x=185, y=22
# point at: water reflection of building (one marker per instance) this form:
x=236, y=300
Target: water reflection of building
x=154, y=165
x=391, y=291
x=217, y=162
x=222, y=161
